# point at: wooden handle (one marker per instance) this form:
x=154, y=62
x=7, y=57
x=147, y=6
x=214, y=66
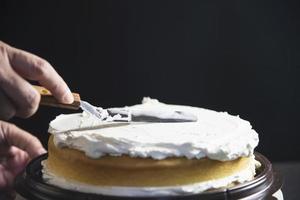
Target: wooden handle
x=48, y=99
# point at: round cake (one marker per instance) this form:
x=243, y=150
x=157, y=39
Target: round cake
x=137, y=158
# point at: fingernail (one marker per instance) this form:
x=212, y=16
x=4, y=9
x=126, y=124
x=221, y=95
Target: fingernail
x=68, y=97
x=41, y=151
x=37, y=152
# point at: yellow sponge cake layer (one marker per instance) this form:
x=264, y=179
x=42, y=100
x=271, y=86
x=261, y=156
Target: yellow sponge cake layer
x=138, y=172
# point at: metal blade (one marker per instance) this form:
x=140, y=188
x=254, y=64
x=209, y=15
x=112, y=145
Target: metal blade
x=93, y=110
x=125, y=115
x=167, y=117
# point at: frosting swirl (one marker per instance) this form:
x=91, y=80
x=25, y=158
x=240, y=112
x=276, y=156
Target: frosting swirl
x=216, y=135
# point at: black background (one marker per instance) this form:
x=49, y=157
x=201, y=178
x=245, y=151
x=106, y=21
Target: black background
x=237, y=56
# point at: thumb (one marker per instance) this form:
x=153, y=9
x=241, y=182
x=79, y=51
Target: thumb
x=11, y=135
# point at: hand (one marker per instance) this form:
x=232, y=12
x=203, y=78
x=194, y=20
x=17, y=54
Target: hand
x=17, y=96
x=17, y=147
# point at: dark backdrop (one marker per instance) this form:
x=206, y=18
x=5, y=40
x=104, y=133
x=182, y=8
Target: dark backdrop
x=237, y=56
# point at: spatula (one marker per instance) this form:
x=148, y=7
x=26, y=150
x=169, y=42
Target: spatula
x=116, y=114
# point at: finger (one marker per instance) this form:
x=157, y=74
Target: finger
x=17, y=160
x=7, y=110
x=25, y=98
x=6, y=178
x=14, y=161
x=20, y=92
x=14, y=136
x=35, y=68
x=10, y=151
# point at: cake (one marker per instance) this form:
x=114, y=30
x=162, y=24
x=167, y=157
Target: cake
x=150, y=158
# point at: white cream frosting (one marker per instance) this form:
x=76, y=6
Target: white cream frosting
x=216, y=135
x=239, y=177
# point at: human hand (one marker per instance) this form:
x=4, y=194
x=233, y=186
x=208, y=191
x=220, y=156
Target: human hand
x=17, y=96
x=17, y=147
